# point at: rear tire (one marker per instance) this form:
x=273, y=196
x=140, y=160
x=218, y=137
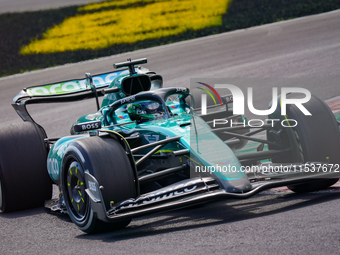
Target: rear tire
x=108, y=162
x=316, y=139
x=24, y=181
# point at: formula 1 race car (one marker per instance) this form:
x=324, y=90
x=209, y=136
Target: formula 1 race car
x=146, y=150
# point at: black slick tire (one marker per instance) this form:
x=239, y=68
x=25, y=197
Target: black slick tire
x=107, y=161
x=24, y=179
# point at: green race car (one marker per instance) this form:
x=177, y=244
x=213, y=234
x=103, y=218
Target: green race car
x=146, y=150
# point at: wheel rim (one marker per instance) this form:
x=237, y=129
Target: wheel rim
x=76, y=191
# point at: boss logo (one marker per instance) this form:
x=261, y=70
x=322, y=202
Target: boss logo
x=87, y=126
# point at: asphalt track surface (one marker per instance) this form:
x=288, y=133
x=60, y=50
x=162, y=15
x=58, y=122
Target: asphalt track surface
x=302, y=52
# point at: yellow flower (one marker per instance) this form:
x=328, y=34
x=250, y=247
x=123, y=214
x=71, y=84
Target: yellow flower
x=127, y=21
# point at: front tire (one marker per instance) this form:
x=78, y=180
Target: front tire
x=315, y=139
x=108, y=162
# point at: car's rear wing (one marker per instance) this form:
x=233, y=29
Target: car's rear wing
x=135, y=79
x=66, y=90
x=70, y=90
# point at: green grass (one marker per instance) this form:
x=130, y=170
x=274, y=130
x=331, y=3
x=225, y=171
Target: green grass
x=18, y=29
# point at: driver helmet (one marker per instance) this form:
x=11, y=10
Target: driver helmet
x=145, y=111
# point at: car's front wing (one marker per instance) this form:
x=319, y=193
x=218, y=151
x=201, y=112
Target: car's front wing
x=192, y=192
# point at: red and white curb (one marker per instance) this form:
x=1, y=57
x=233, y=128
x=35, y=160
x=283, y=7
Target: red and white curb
x=334, y=104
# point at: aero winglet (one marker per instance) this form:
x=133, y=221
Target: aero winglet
x=130, y=64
